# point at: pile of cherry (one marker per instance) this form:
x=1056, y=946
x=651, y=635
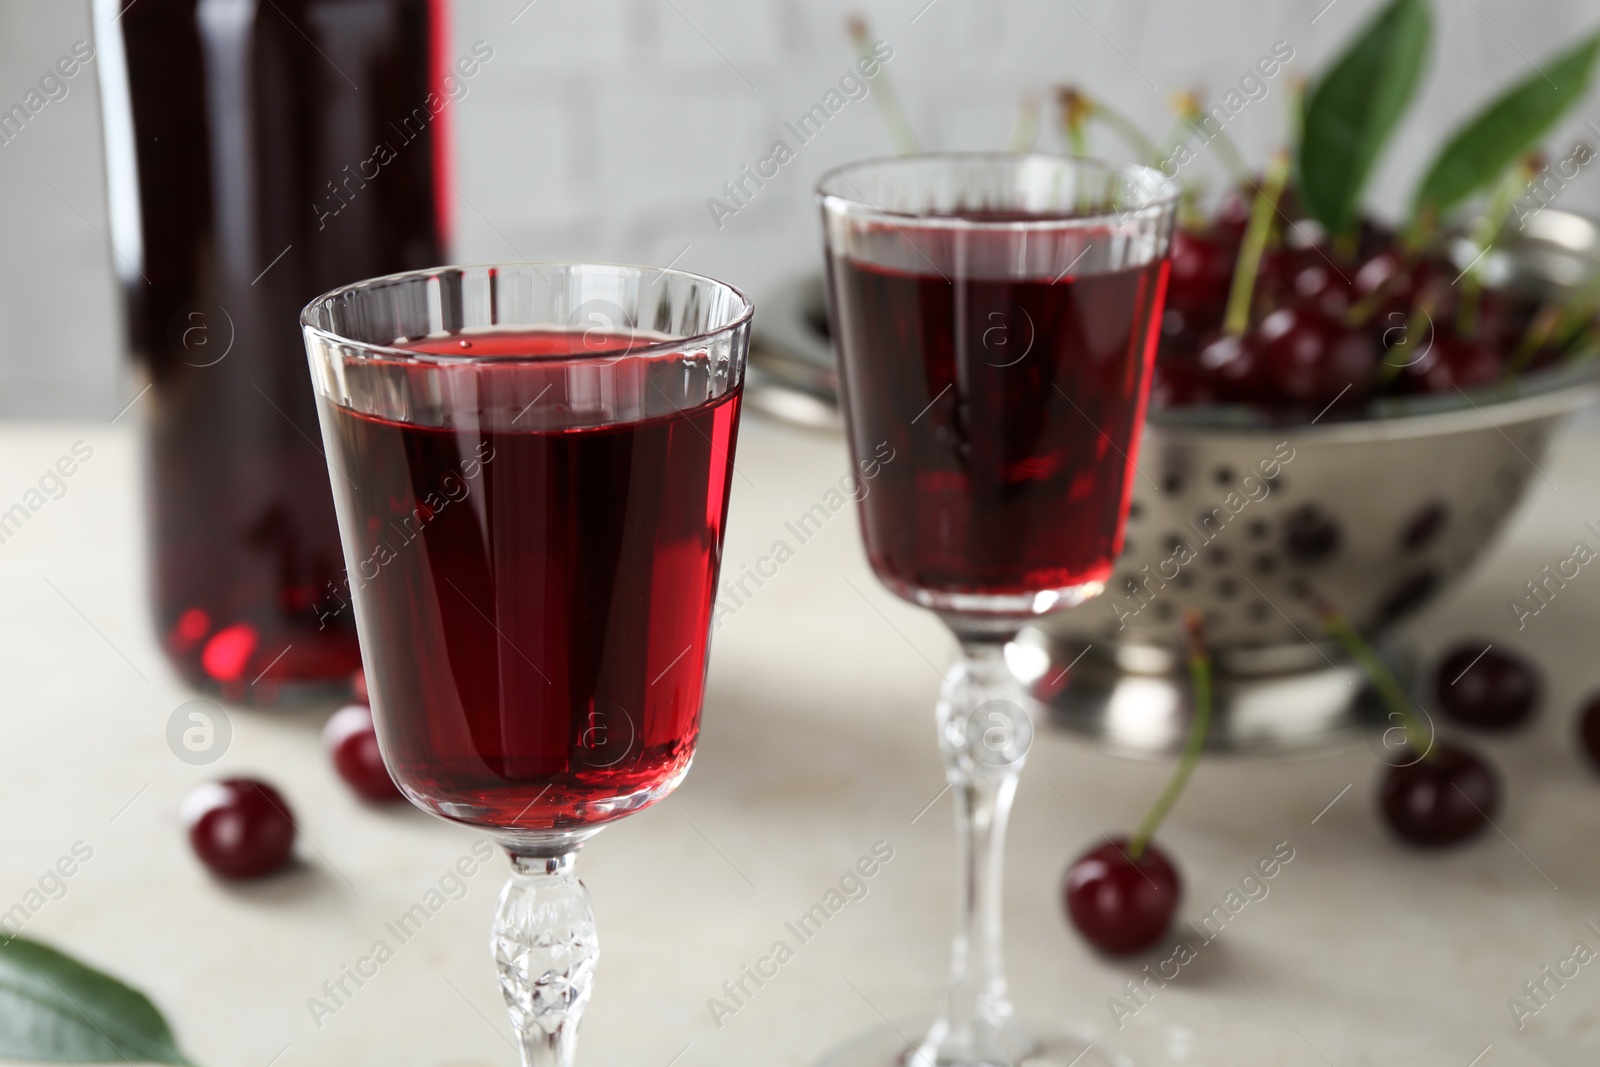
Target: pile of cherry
x=242, y=828
x=1327, y=325
x=1440, y=796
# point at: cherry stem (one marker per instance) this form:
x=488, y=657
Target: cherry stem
x=1192, y=112
x=1025, y=134
x=1170, y=143
x=1547, y=323
x=1506, y=193
x=1075, y=107
x=1580, y=308
x=1421, y=312
x=1254, y=245
x=1295, y=102
x=889, y=105
x=1200, y=682
x=1227, y=151
x=1421, y=231
x=1377, y=672
x=1566, y=322
x=1126, y=129
x=1585, y=348
x=1190, y=215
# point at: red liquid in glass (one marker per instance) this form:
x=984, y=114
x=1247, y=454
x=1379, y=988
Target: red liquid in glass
x=536, y=613
x=279, y=150
x=1013, y=407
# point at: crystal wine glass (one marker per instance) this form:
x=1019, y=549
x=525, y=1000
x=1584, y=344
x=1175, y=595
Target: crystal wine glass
x=531, y=465
x=996, y=322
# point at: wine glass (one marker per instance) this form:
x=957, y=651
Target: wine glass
x=996, y=320
x=531, y=465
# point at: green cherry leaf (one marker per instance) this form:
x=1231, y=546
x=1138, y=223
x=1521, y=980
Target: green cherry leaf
x=55, y=1009
x=1481, y=150
x=1354, y=108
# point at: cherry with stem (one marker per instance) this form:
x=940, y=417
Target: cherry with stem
x=1446, y=794
x=1121, y=895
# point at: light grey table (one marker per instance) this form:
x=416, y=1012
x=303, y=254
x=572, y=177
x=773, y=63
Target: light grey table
x=817, y=743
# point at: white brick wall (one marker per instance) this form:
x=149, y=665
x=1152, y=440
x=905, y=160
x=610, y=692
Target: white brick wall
x=602, y=126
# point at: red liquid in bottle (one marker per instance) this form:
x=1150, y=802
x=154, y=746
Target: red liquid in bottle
x=277, y=150
x=536, y=602
x=1012, y=408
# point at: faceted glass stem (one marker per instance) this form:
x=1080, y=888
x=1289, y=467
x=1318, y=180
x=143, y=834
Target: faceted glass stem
x=984, y=736
x=545, y=949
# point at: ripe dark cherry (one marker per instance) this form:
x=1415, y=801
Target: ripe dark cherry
x=1234, y=367
x=1445, y=797
x=1383, y=270
x=1118, y=905
x=1504, y=319
x=1402, y=282
x=1181, y=335
x=1305, y=273
x=1313, y=358
x=1201, y=275
x=1450, y=362
x=239, y=827
x=1275, y=277
x=1546, y=356
x=1180, y=383
x=1491, y=690
x=1589, y=730
x=353, y=743
x=1322, y=283
x=1399, y=278
x=1374, y=238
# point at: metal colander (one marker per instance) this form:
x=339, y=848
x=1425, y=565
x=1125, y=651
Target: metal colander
x=1377, y=516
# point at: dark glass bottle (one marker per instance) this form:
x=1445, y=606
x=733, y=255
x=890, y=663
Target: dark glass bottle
x=259, y=152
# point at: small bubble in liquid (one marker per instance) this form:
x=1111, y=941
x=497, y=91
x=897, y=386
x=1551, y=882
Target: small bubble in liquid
x=465, y=344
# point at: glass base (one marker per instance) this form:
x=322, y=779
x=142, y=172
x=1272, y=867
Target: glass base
x=896, y=1046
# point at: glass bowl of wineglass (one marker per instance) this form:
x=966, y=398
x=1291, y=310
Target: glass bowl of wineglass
x=995, y=317
x=531, y=465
